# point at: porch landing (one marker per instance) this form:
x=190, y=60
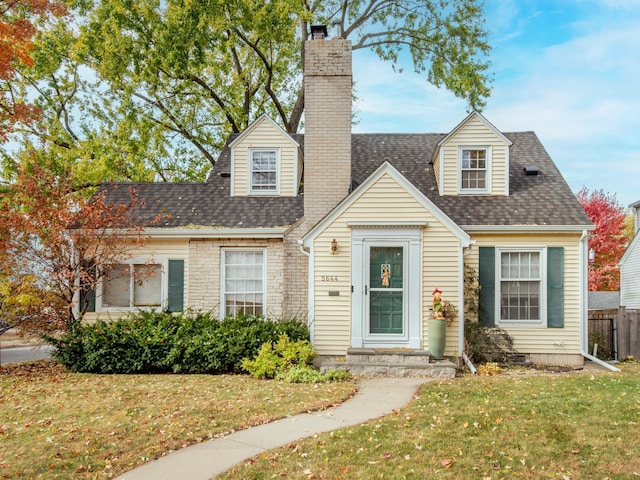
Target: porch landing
x=379, y=362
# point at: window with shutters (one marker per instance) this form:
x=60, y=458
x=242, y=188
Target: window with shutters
x=521, y=283
x=136, y=284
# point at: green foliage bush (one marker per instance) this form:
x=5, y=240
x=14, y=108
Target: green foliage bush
x=155, y=342
x=290, y=361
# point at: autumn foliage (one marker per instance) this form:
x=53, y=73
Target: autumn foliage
x=609, y=239
x=17, y=30
x=53, y=245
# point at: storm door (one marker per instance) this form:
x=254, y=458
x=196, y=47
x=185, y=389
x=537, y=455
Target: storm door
x=386, y=302
x=386, y=276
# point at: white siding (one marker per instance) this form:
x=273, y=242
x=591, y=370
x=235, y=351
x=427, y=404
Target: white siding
x=630, y=276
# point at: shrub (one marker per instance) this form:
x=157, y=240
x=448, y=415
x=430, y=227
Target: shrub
x=151, y=342
x=484, y=344
x=289, y=361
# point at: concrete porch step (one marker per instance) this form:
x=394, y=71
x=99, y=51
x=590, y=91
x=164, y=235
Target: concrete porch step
x=389, y=363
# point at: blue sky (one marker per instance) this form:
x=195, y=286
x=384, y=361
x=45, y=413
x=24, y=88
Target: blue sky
x=567, y=69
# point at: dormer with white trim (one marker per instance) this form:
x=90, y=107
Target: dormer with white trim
x=473, y=159
x=265, y=160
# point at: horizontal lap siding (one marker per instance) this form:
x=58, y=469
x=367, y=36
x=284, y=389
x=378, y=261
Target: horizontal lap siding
x=440, y=258
x=475, y=134
x=265, y=136
x=630, y=276
x=386, y=201
x=542, y=339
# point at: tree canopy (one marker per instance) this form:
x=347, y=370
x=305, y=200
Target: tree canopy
x=17, y=30
x=609, y=239
x=151, y=89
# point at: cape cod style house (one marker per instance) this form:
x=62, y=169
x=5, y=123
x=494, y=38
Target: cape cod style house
x=353, y=232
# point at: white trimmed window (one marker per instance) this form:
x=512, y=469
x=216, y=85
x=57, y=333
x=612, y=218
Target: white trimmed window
x=474, y=170
x=264, y=171
x=521, y=284
x=243, y=281
x=133, y=285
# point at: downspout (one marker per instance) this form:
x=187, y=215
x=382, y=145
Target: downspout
x=310, y=321
x=465, y=251
x=584, y=327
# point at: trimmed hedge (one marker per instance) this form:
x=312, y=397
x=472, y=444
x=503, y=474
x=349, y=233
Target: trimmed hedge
x=153, y=342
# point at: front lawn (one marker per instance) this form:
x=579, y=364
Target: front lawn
x=55, y=424
x=563, y=426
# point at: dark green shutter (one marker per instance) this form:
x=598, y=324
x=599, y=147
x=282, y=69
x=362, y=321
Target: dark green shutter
x=487, y=280
x=176, y=286
x=90, y=296
x=555, y=287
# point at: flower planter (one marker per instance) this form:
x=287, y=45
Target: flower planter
x=437, y=331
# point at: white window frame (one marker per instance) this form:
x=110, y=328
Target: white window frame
x=487, y=169
x=132, y=262
x=223, y=262
x=539, y=322
x=252, y=188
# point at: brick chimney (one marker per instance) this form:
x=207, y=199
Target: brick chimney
x=327, y=124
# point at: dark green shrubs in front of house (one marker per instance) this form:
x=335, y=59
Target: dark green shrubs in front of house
x=150, y=342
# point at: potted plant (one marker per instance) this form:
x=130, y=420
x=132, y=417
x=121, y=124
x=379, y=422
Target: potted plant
x=443, y=313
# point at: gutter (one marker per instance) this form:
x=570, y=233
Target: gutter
x=584, y=327
x=310, y=287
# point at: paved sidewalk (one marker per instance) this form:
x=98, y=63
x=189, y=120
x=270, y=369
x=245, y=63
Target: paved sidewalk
x=375, y=397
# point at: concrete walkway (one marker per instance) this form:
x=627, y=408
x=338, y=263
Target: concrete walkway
x=375, y=397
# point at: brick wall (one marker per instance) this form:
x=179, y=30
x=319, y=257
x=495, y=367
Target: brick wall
x=327, y=136
x=204, y=273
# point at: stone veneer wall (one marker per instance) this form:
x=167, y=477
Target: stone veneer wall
x=204, y=273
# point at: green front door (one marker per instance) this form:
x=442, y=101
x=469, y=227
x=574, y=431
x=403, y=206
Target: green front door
x=386, y=290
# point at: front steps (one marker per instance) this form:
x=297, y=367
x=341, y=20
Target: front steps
x=389, y=363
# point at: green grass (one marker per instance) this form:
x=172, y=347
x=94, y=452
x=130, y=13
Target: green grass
x=55, y=424
x=567, y=426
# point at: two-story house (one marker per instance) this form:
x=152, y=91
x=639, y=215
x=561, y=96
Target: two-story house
x=353, y=232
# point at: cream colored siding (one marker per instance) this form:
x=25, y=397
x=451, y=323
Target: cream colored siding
x=154, y=250
x=540, y=339
x=475, y=134
x=385, y=201
x=266, y=136
x=440, y=260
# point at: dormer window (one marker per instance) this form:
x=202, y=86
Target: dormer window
x=264, y=171
x=474, y=170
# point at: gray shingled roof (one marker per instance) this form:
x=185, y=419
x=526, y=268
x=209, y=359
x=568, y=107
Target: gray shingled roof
x=545, y=199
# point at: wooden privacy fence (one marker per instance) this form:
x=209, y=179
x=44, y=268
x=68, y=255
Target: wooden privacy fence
x=628, y=323
x=616, y=333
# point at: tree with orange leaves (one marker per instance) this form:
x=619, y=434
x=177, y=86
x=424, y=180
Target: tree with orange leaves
x=54, y=247
x=17, y=29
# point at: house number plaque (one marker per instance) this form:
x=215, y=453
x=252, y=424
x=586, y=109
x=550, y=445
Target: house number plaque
x=329, y=278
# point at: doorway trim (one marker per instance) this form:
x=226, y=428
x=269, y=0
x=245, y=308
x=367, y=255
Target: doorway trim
x=363, y=236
